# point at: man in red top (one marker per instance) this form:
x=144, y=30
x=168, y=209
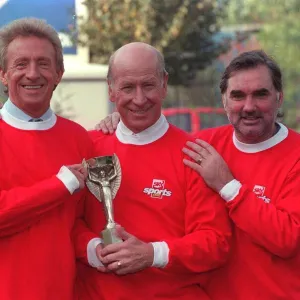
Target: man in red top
x=258, y=178
x=38, y=156
x=175, y=228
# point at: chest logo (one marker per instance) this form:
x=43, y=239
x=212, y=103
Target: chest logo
x=157, y=190
x=259, y=191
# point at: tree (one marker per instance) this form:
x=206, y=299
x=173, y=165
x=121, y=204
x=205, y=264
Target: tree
x=182, y=29
x=279, y=37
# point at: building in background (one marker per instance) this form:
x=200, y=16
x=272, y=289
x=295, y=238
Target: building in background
x=82, y=95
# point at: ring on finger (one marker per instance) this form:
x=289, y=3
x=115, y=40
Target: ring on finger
x=199, y=161
x=119, y=264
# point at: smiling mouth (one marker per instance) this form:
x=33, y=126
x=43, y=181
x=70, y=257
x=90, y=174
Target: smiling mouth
x=250, y=119
x=32, y=87
x=139, y=111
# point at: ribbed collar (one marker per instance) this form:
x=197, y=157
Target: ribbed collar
x=147, y=136
x=271, y=142
x=15, y=117
x=21, y=115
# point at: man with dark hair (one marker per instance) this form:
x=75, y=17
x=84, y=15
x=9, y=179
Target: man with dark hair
x=258, y=178
x=257, y=175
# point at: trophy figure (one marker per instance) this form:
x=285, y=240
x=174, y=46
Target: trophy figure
x=103, y=181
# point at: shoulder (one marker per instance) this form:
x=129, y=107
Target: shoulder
x=99, y=136
x=212, y=134
x=293, y=135
x=69, y=124
x=73, y=131
x=180, y=135
x=175, y=138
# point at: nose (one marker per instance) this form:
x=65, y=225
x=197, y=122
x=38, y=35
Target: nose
x=32, y=72
x=139, y=97
x=249, y=104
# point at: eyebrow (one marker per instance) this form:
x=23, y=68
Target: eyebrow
x=255, y=92
x=146, y=80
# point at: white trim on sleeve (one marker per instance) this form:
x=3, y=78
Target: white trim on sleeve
x=91, y=253
x=230, y=190
x=68, y=179
x=161, y=254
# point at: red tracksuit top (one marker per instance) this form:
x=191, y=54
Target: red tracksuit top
x=184, y=212
x=265, y=260
x=37, y=211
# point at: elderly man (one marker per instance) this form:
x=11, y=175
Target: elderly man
x=258, y=178
x=38, y=204
x=174, y=228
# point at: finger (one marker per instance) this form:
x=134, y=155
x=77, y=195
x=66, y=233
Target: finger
x=109, y=124
x=102, y=127
x=196, y=167
x=103, y=269
x=115, y=120
x=111, y=249
x=115, y=266
x=193, y=155
x=124, y=271
x=208, y=147
x=122, y=233
x=198, y=149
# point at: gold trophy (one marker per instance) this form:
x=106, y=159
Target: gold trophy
x=103, y=181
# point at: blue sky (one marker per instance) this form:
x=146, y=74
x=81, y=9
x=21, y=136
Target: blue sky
x=57, y=12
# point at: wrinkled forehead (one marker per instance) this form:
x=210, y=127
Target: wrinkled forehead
x=30, y=46
x=135, y=63
x=250, y=80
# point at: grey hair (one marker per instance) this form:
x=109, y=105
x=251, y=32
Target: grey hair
x=26, y=27
x=161, y=66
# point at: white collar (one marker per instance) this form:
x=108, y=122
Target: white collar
x=147, y=136
x=271, y=142
x=25, y=125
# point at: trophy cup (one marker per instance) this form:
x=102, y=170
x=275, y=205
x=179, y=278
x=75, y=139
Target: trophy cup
x=103, y=181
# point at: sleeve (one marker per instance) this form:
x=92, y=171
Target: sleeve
x=206, y=243
x=276, y=225
x=21, y=207
x=81, y=233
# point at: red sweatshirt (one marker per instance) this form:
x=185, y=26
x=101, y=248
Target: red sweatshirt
x=159, y=200
x=265, y=261
x=37, y=211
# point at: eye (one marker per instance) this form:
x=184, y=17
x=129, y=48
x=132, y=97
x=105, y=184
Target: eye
x=43, y=63
x=127, y=88
x=261, y=95
x=21, y=65
x=237, y=97
x=148, y=86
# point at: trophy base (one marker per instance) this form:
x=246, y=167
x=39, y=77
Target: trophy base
x=109, y=237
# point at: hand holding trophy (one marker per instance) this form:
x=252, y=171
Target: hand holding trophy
x=103, y=181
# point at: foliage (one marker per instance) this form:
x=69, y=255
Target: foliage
x=182, y=29
x=279, y=37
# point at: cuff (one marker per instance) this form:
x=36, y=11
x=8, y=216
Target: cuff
x=68, y=179
x=91, y=253
x=161, y=254
x=230, y=190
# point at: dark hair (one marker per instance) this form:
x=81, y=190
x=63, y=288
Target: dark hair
x=249, y=60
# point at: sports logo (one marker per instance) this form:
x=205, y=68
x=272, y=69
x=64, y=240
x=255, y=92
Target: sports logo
x=259, y=191
x=157, y=190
